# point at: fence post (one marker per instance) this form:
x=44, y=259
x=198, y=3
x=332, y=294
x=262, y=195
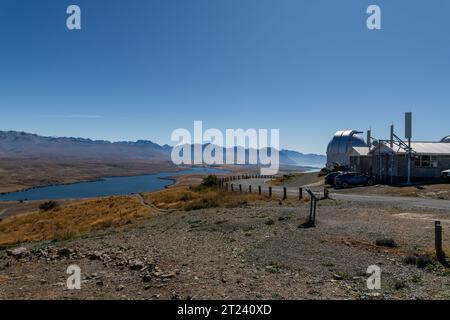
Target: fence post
x=250, y=189
x=259, y=190
x=284, y=193
x=240, y=187
x=300, y=193
x=270, y=192
x=326, y=193
x=440, y=255
x=312, y=210
x=232, y=188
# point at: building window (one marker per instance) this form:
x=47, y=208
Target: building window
x=426, y=162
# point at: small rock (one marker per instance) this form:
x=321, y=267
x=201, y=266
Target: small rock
x=95, y=256
x=17, y=252
x=64, y=252
x=136, y=265
x=120, y=287
x=168, y=275
x=146, y=278
x=337, y=277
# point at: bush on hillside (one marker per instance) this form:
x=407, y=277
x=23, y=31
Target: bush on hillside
x=210, y=181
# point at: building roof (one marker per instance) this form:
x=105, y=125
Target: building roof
x=428, y=148
x=359, y=151
x=343, y=141
x=431, y=147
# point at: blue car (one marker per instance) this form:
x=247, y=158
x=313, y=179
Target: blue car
x=348, y=179
x=329, y=179
x=446, y=175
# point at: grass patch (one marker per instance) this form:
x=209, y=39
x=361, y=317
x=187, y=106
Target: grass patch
x=201, y=197
x=67, y=221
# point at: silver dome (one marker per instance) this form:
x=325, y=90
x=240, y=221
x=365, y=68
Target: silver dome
x=341, y=144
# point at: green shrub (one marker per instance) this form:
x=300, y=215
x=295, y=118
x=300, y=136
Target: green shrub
x=210, y=181
x=48, y=205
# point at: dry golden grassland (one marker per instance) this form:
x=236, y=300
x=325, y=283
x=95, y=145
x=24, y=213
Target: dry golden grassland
x=193, y=198
x=69, y=220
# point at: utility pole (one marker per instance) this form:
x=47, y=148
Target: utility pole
x=408, y=135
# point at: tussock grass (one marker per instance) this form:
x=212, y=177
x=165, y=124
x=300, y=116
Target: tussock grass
x=185, y=198
x=66, y=221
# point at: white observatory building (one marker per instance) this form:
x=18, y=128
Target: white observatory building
x=342, y=143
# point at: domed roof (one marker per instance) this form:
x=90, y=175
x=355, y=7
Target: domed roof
x=343, y=141
x=446, y=139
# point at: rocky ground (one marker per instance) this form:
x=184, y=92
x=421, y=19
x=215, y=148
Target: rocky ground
x=249, y=252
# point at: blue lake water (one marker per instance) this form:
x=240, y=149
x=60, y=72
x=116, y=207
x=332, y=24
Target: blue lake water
x=107, y=187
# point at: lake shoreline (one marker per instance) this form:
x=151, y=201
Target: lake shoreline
x=102, y=178
x=172, y=177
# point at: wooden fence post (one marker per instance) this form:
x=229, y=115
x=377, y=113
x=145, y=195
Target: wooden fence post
x=270, y=192
x=284, y=193
x=232, y=188
x=240, y=187
x=440, y=255
x=259, y=190
x=300, y=193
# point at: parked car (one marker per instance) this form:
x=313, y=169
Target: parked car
x=446, y=175
x=329, y=179
x=353, y=179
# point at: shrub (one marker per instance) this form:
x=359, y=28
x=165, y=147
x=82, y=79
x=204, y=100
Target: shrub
x=421, y=261
x=424, y=261
x=185, y=197
x=410, y=260
x=48, y=205
x=210, y=181
x=387, y=242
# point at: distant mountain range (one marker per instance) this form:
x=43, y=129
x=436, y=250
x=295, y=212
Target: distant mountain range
x=15, y=144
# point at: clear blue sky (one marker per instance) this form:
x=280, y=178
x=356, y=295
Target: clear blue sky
x=139, y=69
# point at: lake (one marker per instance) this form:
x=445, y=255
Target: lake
x=110, y=186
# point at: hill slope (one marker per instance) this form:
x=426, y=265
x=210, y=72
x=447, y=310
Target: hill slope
x=15, y=144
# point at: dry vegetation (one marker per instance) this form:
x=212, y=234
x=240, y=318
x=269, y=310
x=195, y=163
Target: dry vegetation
x=70, y=219
x=193, y=198
x=66, y=221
